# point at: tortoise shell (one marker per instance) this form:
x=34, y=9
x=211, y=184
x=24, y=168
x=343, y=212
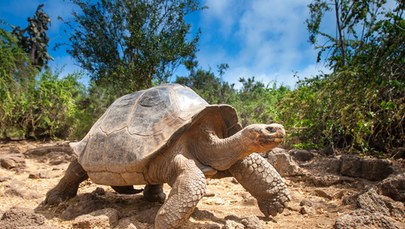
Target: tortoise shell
x=139, y=125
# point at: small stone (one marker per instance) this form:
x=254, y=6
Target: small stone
x=233, y=180
x=13, y=161
x=252, y=222
x=306, y=202
x=306, y=210
x=209, y=193
x=99, y=191
x=230, y=224
x=34, y=176
x=287, y=212
x=57, y=161
x=323, y=194
x=7, y=163
x=219, y=201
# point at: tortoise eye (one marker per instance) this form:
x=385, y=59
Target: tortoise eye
x=271, y=129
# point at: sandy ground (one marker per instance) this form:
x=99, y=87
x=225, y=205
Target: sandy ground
x=226, y=199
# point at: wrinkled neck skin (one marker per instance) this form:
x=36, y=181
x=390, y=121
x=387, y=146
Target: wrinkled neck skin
x=208, y=147
x=223, y=153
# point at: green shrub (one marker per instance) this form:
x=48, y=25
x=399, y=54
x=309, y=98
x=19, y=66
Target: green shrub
x=55, y=111
x=257, y=102
x=346, y=110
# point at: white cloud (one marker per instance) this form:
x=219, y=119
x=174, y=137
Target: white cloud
x=261, y=38
x=223, y=13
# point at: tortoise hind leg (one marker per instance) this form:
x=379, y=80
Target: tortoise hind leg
x=154, y=193
x=126, y=189
x=68, y=185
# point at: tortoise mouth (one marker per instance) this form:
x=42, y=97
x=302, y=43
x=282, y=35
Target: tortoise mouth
x=273, y=140
x=278, y=139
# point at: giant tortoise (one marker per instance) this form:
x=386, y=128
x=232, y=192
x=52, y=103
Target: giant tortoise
x=169, y=134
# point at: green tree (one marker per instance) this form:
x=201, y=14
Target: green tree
x=15, y=74
x=33, y=39
x=126, y=45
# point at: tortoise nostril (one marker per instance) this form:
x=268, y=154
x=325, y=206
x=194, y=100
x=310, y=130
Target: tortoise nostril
x=271, y=129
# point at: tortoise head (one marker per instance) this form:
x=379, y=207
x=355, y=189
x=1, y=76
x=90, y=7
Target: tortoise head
x=263, y=137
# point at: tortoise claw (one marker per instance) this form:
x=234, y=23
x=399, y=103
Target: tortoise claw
x=276, y=205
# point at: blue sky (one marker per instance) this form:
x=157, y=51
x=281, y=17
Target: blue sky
x=261, y=38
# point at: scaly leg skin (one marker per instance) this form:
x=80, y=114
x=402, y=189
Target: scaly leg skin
x=68, y=185
x=154, y=193
x=126, y=189
x=187, y=189
x=260, y=178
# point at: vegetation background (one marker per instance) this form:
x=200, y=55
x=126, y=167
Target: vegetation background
x=129, y=45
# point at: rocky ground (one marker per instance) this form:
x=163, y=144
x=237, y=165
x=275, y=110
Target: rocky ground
x=327, y=192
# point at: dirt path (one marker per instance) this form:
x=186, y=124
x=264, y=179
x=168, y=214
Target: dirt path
x=227, y=205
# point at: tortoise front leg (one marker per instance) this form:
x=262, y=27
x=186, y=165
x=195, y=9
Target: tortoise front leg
x=188, y=187
x=260, y=178
x=68, y=185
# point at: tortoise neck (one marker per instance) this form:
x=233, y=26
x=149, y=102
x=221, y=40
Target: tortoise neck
x=222, y=153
